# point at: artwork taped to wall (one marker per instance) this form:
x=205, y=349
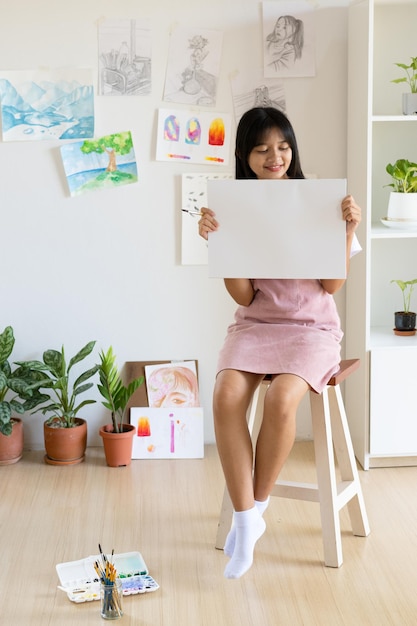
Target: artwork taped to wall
x=102, y=163
x=194, y=249
x=172, y=385
x=288, y=38
x=167, y=433
x=194, y=66
x=125, y=57
x=191, y=137
x=47, y=104
x=254, y=90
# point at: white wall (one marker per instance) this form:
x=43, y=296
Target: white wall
x=106, y=265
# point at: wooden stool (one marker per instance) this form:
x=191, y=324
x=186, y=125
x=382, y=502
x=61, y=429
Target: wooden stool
x=331, y=435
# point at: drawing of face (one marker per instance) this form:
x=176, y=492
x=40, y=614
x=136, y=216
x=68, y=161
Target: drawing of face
x=272, y=158
x=284, y=29
x=173, y=387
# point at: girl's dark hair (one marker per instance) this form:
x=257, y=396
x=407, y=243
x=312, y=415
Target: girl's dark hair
x=251, y=131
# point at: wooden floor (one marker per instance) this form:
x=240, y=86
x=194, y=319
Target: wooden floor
x=168, y=510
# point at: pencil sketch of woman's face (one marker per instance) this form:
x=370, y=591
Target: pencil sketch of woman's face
x=284, y=28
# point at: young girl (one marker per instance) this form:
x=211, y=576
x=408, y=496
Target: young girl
x=287, y=328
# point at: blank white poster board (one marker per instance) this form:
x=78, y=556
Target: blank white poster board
x=277, y=229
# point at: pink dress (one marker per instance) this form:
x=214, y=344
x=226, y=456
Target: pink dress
x=291, y=326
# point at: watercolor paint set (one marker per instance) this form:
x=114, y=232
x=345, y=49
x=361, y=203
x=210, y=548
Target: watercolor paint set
x=81, y=583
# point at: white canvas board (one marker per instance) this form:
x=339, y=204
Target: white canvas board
x=277, y=229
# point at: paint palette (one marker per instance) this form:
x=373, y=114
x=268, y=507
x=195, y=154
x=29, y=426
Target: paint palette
x=80, y=582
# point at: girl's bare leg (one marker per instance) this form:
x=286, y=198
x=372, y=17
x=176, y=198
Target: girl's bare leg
x=231, y=399
x=277, y=433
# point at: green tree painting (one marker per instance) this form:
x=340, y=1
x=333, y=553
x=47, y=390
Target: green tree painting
x=93, y=164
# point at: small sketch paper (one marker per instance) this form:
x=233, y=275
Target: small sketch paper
x=194, y=196
x=192, y=137
x=172, y=384
x=277, y=229
x=254, y=90
x=102, y=163
x=167, y=433
x=125, y=57
x=193, y=67
x=47, y=104
x=288, y=38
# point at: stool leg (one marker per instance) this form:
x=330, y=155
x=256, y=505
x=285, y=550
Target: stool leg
x=347, y=462
x=326, y=478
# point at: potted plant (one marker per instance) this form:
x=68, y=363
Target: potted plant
x=117, y=436
x=409, y=99
x=65, y=433
x=405, y=320
x=402, y=205
x=18, y=393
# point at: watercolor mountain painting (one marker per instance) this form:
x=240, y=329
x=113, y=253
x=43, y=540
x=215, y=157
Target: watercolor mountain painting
x=47, y=105
x=102, y=163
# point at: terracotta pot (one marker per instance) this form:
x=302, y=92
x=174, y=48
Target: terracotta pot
x=65, y=446
x=11, y=447
x=118, y=446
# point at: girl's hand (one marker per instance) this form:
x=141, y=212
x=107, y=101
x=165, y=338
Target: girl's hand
x=351, y=213
x=208, y=223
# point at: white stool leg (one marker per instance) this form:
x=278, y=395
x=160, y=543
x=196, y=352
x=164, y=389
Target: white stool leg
x=347, y=464
x=326, y=478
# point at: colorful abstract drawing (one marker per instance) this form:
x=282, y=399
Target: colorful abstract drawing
x=144, y=428
x=171, y=129
x=43, y=104
x=202, y=138
x=216, y=132
x=193, y=134
x=175, y=433
x=100, y=163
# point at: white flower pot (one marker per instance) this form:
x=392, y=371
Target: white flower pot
x=409, y=103
x=402, y=206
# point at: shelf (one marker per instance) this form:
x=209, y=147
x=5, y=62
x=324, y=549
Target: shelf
x=384, y=337
x=379, y=231
x=394, y=118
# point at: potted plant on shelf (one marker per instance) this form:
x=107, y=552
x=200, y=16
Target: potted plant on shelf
x=405, y=320
x=410, y=98
x=402, y=204
x=18, y=393
x=65, y=433
x=117, y=436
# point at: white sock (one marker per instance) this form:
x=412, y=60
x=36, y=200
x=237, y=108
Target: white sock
x=249, y=527
x=229, y=545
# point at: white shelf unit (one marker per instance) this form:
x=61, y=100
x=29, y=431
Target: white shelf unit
x=380, y=398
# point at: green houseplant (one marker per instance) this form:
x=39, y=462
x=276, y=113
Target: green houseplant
x=18, y=393
x=117, y=436
x=402, y=203
x=410, y=78
x=405, y=320
x=62, y=397
x=403, y=176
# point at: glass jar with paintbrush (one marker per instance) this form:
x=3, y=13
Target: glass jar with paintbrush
x=110, y=587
